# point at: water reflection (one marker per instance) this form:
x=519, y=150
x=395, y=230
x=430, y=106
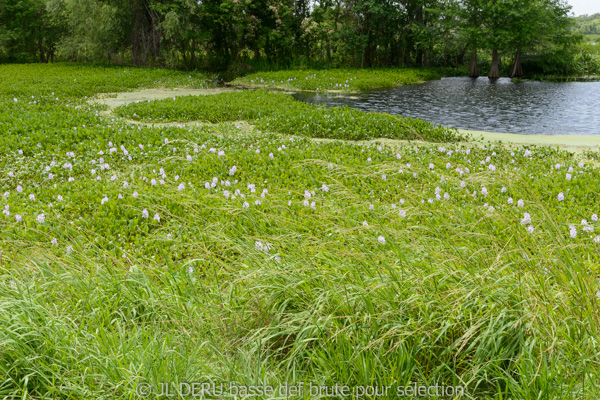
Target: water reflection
x=499, y=106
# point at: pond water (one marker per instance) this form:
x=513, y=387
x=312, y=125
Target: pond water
x=564, y=108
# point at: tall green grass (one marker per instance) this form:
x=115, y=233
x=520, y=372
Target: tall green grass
x=457, y=293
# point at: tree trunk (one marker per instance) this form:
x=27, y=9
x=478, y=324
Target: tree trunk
x=43, y=58
x=474, y=70
x=517, y=70
x=494, y=70
x=461, y=56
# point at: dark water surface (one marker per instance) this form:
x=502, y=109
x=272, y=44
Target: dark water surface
x=564, y=108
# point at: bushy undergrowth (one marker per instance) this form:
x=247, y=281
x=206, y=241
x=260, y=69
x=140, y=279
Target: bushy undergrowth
x=346, y=80
x=277, y=112
x=133, y=254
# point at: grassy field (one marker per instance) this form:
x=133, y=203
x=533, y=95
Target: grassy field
x=134, y=255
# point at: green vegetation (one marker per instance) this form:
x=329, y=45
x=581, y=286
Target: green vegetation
x=588, y=24
x=343, y=80
x=237, y=37
x=276, y=112
x=73, y=81
x=136, y=254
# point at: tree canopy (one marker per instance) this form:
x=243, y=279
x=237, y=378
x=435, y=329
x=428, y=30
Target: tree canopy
x=222, y=34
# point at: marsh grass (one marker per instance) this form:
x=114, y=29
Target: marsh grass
x=343, y=80
x=457, y=294
x=277, y=112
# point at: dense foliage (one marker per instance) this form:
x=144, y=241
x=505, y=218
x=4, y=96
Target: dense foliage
x=588, y=24
x=236, y=35
x=134, y=254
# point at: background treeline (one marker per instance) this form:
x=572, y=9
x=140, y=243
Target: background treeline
x=588, y=24
x=501, y=36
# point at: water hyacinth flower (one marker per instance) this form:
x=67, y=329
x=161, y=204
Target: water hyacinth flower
x=233, y=170
x=527, y=153
x=41, y=218
x=156, y=217
x=597, y=239
x=526, y=219
x=381, y=240
x=572, y=231
x=463, y=184
x=32, y=197
x=104, y=200
x=54, y=242
x=520, y=203
x=246, y=205
x=181, y=187
x=530, y=229
x=135, y=195
x=145, y=214
x=561, y=196
x=491, y=167
x=568, y=176
x=325, y=188
x=18, y=218
x=189, y=158
x=484, y=191
x=431, y=166
x=594, y=217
